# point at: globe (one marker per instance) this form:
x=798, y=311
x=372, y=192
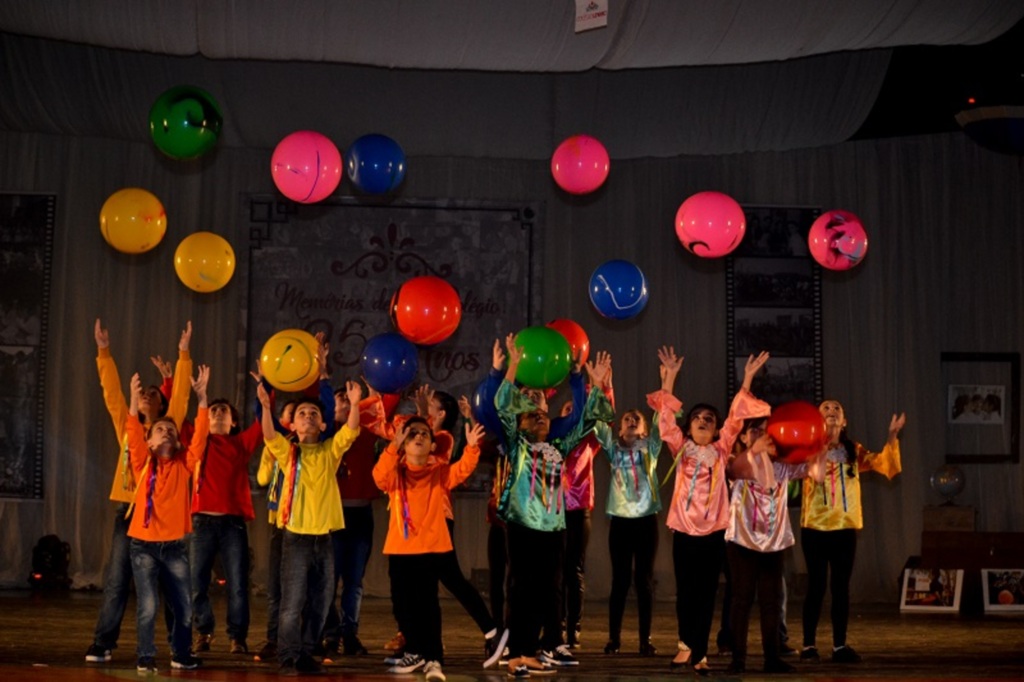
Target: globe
x=948, y=482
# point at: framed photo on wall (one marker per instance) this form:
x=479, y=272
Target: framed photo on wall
x=932, y=590
x=1003, y=590
x=982, y=407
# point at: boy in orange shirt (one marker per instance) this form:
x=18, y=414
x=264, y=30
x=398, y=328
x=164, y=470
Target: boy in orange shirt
x=417, y=486
x=161, y=521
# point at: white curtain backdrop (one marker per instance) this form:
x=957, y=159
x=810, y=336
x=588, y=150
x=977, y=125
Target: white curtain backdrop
x=945, y=217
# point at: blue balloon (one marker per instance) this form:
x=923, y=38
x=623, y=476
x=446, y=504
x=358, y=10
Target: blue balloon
x=618, y=289
x=389, y=362
x=375, y=164
x=483, y=407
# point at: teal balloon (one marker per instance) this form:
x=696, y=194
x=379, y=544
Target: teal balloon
x=185, y=122
x=547, y=357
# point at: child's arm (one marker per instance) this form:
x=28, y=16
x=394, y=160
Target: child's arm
x=462, y=469
x=515, y=356
x=110, y=381
x=664, y=402
x=385, y=471
x=326, y=391
x=887, y=462
x=138, y=449
x=744, y=404
x=348, y=433
x=177, y=407
x=267, y=419
x=166, y=375
x=197, y=444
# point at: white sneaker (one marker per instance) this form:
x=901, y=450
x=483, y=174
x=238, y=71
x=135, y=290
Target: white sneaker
x=561, y=656
x=433, y=672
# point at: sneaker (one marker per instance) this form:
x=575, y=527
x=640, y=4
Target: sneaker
x=203, y=642
x=810, y=653
x=494, y=647
x=612, y=647
x=267, y=653
x=97, y=654
x=351, y=646
x=186, y=662
x=561, y=656
x=777, y=665
x=536, y=666
x=573, y=639
x=845, y=654
x=518, y=672
x=238, y=646
x=287, y=668
x=146, y=666
x=648, y=649
x=307, y=665
x=786, y=650
x=407, y=664
x=503, y=659
x=433, y=672
x=396, y=645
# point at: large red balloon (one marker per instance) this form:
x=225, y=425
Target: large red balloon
x=798, y=430
x=578, y=340
x=426, y=310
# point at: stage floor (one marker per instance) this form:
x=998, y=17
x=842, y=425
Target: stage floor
x=44, y=636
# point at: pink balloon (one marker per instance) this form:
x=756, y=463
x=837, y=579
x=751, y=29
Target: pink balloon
x=306, y=167
x=837, y=240
x=580, y=164
x=710, y=224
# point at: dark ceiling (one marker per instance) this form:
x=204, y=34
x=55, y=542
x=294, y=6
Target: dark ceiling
x=926, y=87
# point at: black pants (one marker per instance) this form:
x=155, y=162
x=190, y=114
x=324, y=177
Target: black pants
x=454, y=580
x=697, y=560
x=751, y=572
x=577, y=537
x=825, y=550
x=497, y=565
x=535, y=573
x=414, y=580
x=632, y=544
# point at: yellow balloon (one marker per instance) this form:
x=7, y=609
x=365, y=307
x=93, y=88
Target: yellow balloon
x=204, y=261
x=132, y=220
x=289, y=360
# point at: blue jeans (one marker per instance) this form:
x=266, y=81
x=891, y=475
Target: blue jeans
x=274, y=583
x=352, y=545
x=155, y=565
x=307, y=585
x=117, y=584
x=225, y=535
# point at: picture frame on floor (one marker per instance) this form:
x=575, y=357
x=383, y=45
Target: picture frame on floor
x=931, y=590
x=1003, y=590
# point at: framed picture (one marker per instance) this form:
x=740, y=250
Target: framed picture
x=982, y=407
x=932, y=590
x=1003, y=590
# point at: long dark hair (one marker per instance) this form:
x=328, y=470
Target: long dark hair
x=703, y=407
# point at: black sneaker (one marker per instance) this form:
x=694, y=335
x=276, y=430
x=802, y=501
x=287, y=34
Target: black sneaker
x=648, y=649
x=307, y=665
x=185, y=662
x=777, y=665
x=351, y=646
x=409, y=663
x=845, y=654
x=810, y=653
x=267, y=653
x=97, y=654
x=612, y=647
x=146, y=666
x=561, y=656
x=494, y=647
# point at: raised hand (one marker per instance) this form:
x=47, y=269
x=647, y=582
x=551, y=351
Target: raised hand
x=163, y=366
x=466, y=408
x=896, y=425
x=200, y=383
x=263, y=396
x=474, y=434
x=497, y=355
x=422, y=399
x=753, y=366
x=101, y=335
x=186, y=337
x=322, y=350
x=600, y=370
x=669, y=367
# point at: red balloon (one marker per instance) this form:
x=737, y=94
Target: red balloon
x=426, y=310
x=578, y=340
x=710, y=224
x=580, y=164
x=798, y=430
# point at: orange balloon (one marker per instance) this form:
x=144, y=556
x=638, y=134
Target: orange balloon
x=426, y=310
x=133, y=220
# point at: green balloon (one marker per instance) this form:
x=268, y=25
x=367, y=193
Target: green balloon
x=547, y=357
x=185, y=122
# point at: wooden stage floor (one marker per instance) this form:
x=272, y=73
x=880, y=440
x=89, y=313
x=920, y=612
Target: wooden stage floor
x=44, y=636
